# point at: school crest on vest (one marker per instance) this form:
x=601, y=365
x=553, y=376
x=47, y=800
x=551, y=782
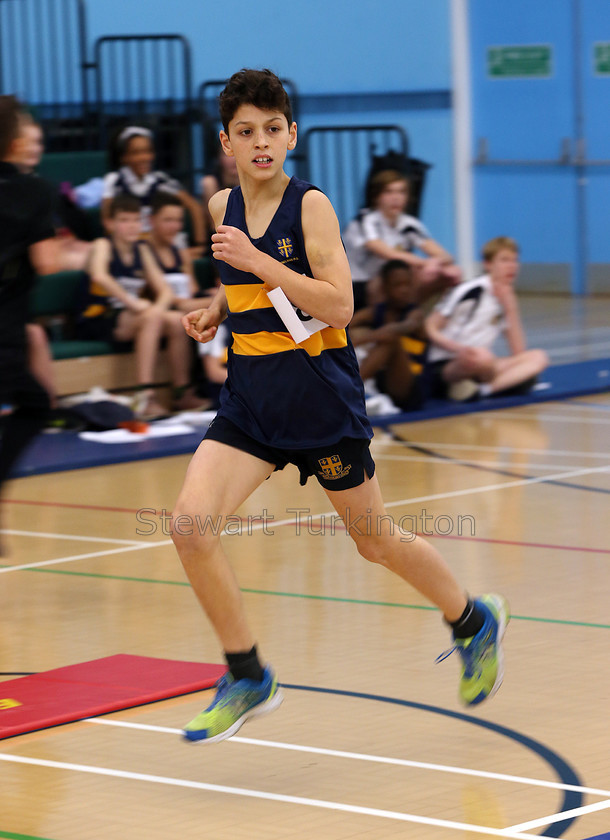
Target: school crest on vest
x=285, y=247
x=332, y=467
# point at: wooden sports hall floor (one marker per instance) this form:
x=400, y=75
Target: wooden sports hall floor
x=371, y=741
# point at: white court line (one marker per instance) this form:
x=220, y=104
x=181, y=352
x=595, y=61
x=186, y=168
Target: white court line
x=572, y=332
x=481, y=448
x=437, y=496
x=584, y=406
x=400, y=762
x=501, y=486
x=72, y=558
x=553, y=418
x=273, y=797
x=460, y=462
x=581, y=347
x=83, y=538
x=450, y=495
x=258, y=526
x=566, y=815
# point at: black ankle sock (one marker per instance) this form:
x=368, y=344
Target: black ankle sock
x=469, y=623
x=245, y=665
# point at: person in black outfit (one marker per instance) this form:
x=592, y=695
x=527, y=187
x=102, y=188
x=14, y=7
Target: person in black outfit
x=27, y=248
x=390, y=340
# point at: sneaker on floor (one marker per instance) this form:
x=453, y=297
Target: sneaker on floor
x=151, y=410
x=466, y=390
x=145, y=406
x=190, y=402
x=482, y=655
x=234, y=703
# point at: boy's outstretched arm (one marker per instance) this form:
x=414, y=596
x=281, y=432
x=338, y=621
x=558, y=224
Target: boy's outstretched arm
x=202, y=324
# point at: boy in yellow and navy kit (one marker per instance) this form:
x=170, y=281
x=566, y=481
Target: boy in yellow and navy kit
x=293, y=400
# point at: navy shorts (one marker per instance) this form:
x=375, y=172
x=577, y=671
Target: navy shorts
x=102, y=328
x=337, y=466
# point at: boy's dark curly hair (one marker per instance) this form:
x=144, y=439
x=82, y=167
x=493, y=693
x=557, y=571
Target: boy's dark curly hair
x=261, y=88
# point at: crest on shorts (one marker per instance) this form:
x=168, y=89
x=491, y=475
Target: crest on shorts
x=285, y=246
x=332, y=467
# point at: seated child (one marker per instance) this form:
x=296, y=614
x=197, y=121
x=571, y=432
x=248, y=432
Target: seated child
x=384, y=231
x=389, y=338
x=132, y=156
x=214, y=357
x=121, y=270
x=464, y=325
x=167, y=220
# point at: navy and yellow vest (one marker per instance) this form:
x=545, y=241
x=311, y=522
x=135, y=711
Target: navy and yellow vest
x=176, y=266
x=131, y=277
x=287, y=395
x=415, y=346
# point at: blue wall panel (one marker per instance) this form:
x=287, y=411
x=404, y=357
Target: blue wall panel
x=564, y=207
x=522, y=117
x=326, y=47
x=525, y=119
x=507, y=204
x=596, y=108
x=346, y=60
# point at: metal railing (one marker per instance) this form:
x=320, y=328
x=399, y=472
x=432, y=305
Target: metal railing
x=43, y=61
x=147, y=79
x=338, y=160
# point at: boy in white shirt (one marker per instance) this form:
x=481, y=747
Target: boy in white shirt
x=467, y=321
x=386, y=232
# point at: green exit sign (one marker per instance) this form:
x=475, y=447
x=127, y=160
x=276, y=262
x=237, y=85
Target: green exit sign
x=601, y=58
x=520, y=62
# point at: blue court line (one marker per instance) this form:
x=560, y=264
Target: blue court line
x=495, y=470
x=605, y=836
x=566, y=773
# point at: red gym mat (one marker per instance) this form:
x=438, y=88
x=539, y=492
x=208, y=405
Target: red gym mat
x=96, y=688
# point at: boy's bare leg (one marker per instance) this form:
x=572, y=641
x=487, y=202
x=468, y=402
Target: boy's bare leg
x=40, y=359
x=375, y=360
x=475, y=363
x=477, y=625
x=177, y=348
x=217, y=481
x=399, y=376
x=512, y=371
x=145, y=329
x=414, y=560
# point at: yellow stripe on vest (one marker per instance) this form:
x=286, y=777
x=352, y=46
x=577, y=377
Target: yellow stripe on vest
x=415, y=347
x=97, y=289
x=265, y=343
x=94, y=310
x=247, y=296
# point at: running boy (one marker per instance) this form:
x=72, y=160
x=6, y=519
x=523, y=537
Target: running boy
x=292, y=402
x=167, y=221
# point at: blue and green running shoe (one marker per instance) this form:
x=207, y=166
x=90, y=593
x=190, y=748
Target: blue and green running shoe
x=234, y=703
x=482, y=655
